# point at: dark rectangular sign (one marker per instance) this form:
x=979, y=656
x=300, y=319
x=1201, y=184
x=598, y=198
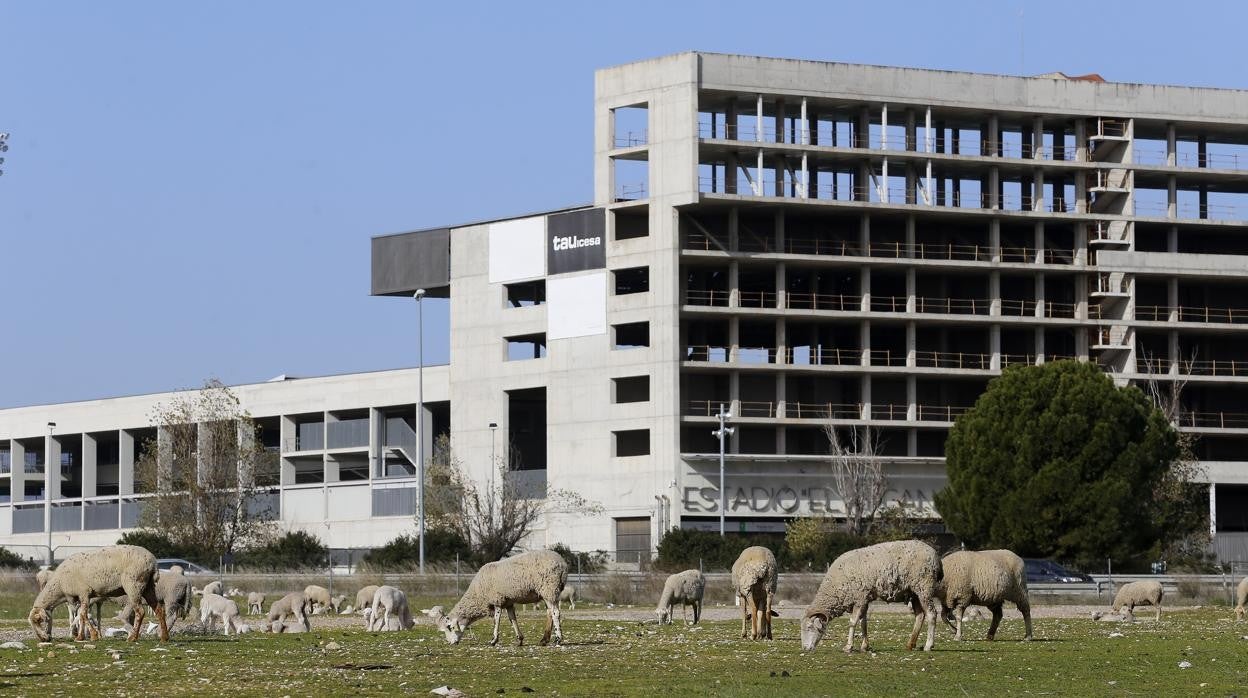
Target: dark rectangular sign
x=576, y=241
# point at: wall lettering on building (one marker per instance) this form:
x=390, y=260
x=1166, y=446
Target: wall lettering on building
x=781, y=500
x=575, y=241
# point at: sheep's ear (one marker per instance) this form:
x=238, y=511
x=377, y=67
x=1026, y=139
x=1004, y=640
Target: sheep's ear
x=823, y=618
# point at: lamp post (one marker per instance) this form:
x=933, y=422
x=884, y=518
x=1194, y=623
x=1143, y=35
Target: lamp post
x=47, y=488
x=723, y=431
x=420, y=418
x=493, y=467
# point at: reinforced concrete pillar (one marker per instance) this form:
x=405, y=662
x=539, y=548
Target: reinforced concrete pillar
x=90, y=465
x=125, y=462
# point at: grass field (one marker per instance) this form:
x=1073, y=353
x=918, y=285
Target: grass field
x=622, y=657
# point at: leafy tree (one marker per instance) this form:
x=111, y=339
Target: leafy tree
x=584, y=563
x=292, y=551
x=1055, y=460
x=11, y=560
x=814, y=542
x=161, y=546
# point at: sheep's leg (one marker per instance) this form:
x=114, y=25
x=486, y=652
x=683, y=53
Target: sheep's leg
x=697, y=612
x=139, y=613
x=1025, y=609
x=515, y=627
x=755, y=621
x=1158, y=618
x=498, y=616
x=556, y=617
x=996, y=622
x=745, y=615
x=767, y=618
x=959, y=615
x=854, y=616
x=929, y=612
x=916, y=607
x=866, y=644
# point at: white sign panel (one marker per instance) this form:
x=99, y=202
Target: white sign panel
x=517, y=249
x=576, y=306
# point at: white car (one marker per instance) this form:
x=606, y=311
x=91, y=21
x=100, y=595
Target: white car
x=165, y=563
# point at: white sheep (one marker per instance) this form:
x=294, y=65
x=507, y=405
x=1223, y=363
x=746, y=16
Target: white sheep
x=568, y=595
x=1241, y=598
x=41, y=579
x=213, y=606
x=104, y=573
x=255, y=602
x=684, y=588
x=978, y=578
x=338, y=602
x=1018, y=576
x=318, y=596
x=293, y=604
x=388, y=600
x=210, y=588
x=1132, y=594
x=364, y=597
x=173, y=589
x=905, y=571
x=754, y=580
x=499, y=586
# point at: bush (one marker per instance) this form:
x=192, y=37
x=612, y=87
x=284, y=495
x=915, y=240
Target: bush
x=403, y=552
x=583, y=563
x=11, y=560
x=812, y=543
x=161, y=546
x=683, y=548
x=294, y=551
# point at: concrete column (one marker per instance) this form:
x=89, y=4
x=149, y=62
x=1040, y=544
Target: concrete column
x=17, y=476
x=758, y=120
x=1037, y=143
x=994, y=239
x=1172, y=299
x=288, y=436
x=994, y=292
x=1202, y=148
x=865, y=392
x=1039, y=243
x=1172, y=239
x=1172, y=196
x=734, y=284
x=910, y=290
x=862, y=129
x=1173, y=352
x=1081, y=141
x=864, y=288
x=90, y=465
x=734, y=229
x=734, y=406
x=1040, y=295
x=911, y=344
x=1213, y=511
x=1059, y=142
x=1039, y=334
x=52, y=466
x=782, y=285
x=912, y=398
x=777, y=120
x=1172, y=146
x=994, y=344
x=125, y=462
x=864, y=339
x=1037, y=198
x=911, y=131
x=993, y=136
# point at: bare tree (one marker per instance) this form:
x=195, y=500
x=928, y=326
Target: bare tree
x=494, y=516
x=857, y=474
x=203, y=470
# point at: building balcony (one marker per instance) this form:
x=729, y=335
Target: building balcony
x=1165, y=313
x=1223, y=368
x=825, y=411
x=927, y=251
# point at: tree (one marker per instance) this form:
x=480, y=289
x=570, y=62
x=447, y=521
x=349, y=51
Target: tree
x=857, y=474
x=203, y=471
x=403, y=552
x=1055, y=460
x=495, y=516
x=296, y=550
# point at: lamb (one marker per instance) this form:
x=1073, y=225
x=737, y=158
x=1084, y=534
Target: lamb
x=255, y=602
x=293, y=604
x=213, y=606
x=103, y=573
x=499, y=586
x=388, y=600
x=210, y=588
x=1134, y=594
x=978, y=578
x=364, y=597
x=173, y=590
x=337, y=602
x=684, y=588
x=1241, y=598
x=754, y=579
x=568, y=594
x=896, y=571
x=41, y=580
x=318, y=596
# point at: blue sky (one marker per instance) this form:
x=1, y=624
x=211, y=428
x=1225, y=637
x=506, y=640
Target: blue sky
x=191, y=187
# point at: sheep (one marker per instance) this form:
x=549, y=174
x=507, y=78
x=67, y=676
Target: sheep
x=1018, y=577
x=389, y=600
x=896, y=571
x=499, y=586
x=568, y=594
x=1134, y=594
x=318, y=596
x=337, y=602
x=174, y=591
x=684, y=588
x=364, y=597
x=978, y=578
x=292, y=604
x=103, y=573
x=754, y=579
x=1241, y=598
x=213, y=606
x=255, y=602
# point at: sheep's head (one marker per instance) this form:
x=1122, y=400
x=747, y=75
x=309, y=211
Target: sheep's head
x=664, y=614
x=453, y=628
x=813, y=627
x=41, y=623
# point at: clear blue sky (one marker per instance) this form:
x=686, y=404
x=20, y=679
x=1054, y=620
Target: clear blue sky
x=191, y=187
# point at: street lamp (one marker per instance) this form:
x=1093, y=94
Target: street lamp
x=493, y=466
x=723, y=431
x=420, y=418
x=47, y=488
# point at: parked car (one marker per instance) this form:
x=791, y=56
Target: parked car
x=1048, y=571
x=165, y=563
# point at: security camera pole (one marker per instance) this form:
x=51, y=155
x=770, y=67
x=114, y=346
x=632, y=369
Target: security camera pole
x=721, y=432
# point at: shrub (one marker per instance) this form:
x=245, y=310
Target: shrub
x=404, y=551
x=11, y=560
x=579, y=562
x=161, y=546
x=292, y=551
x=683, y=548
x=813, y=543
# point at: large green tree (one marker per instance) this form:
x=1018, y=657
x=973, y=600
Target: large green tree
x=1055, y=460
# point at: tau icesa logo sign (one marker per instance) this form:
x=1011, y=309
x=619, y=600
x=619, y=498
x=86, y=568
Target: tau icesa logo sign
x=574, y=241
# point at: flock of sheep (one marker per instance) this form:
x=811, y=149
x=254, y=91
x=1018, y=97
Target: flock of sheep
x=907, y=572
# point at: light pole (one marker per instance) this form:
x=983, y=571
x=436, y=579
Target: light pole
x=47, y=488
x=723, y=431
x=420, y=418
x=493, y=466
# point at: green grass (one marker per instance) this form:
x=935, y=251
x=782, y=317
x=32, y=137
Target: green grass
x=1069, y=657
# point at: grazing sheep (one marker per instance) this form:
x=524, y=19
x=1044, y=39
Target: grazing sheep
x=364, y=597
x=684, y=588
x=388, y=600
x=897, y=571
x=338, y=603
x=213, y=606
x=255, y=602
x=499, y=586
x=211, y=588
x=173, y=589
x=100, y=574
x=41, y=579
x=754, y=579
x=234, y=591
x=318, y=596
x=1135, y=594
x=978, y=578
x=293, y=604
x=568, y=594
x=1241, y=598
